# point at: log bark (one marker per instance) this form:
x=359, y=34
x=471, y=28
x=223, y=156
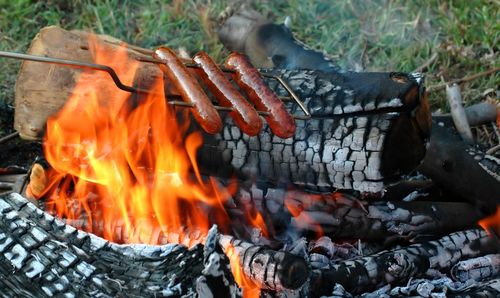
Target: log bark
x=42, y=89
x=398, y=265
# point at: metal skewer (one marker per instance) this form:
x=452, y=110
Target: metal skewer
x=120, y=85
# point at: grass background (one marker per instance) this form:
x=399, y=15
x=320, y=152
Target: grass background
x=382, y=35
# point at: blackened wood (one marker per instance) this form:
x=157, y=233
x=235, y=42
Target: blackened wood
x=398, y=265
x=41, y=256
x=341, y=215
x=385, y=221
x=270, y=269
x=367, y=129
x=458, y=169
x=489, y=289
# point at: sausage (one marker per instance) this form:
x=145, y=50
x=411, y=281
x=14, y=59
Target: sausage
x=244, y=114
x=248, y=78
x=203, y=111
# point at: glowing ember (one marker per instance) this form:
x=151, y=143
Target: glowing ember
x=491, y=223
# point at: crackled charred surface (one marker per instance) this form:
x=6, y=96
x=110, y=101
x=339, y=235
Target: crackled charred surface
x=366, y=129
x=398, y=265
x=42, y=256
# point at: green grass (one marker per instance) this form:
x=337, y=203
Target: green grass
x=380, y=35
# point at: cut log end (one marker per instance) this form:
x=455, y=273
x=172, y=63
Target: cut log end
x=294, y=271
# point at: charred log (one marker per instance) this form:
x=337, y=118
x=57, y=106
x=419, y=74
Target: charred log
x=42, y=256
x=366, y=129
x=462, y=169
x=397, y=266
x=490, y=289
x=342, y=216
x=478, y=269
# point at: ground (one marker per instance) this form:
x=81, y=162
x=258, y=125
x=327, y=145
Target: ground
x=377, y=35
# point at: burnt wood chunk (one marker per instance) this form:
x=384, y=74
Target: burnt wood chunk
x=462, y=170
x=41, y=256
x=366, y=129
x=398, y=265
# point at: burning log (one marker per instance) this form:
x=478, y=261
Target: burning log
x=266, y=268
x=398, y=265
x=489, y=289
x=42, y=89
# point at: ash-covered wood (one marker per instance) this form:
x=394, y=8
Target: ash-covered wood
x=342, y=216
x=367, y=129
x=478, y=269
x=42, y=256
x=273, y=270
x=398, y=265
x=490, y=289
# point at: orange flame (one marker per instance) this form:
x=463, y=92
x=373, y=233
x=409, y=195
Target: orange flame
x=491, y=223
x=127, y=151
x=250, y=289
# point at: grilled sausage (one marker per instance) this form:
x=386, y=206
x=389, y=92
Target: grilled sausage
x=248, y=78
x=204, y=112
x=244, y=114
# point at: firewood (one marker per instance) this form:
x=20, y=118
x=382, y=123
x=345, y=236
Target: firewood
x=267, y=268
x=342, y=216
x=489, y=289
x=477, y=114
x=458, y=113
x=42, y=256
x=462, y=170
x=366, y=130
x=398, y=265
x=478, y=269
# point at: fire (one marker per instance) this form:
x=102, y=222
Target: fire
x=122, y=158
x=491, y=223
x=250, y=289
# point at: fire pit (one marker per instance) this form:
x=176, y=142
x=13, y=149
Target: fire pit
x=134, y=197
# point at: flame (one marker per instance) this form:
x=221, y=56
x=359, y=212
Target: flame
x=491, y=223
x=250, y=289
x=297, y=206
x=122, y=158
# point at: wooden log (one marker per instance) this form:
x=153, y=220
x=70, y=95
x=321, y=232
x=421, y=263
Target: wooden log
x=489, y=289
x=398, y=265
x=266, y=268
x=340, y=216
x=460, y=170
x=478, y=269
x=42, y=256
x=42, y=88
x=454, y=98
